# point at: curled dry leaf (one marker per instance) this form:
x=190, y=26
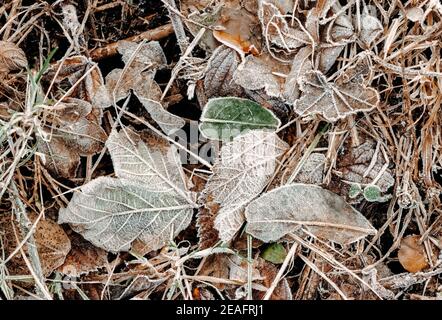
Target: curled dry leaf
x=240, y=173
x=412, y=254
x=225, y=118
x=235, y=42
x=58, y=157
x=285, y=209
x=371, y=27
x=301, y=64
x=415, y=14
x=339, y=32
x=262, y=72
x=235, y=19
x=83, y=258
x=12, y=58
x=218, y=81
x=75, y=131
x=142, y=63
x=333, y=100
x=277, y=30
x=148, y=202
x=52, y=244
x=68, y=72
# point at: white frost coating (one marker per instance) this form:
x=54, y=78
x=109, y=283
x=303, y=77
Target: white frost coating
x=240, y=174
x=112, y=213
x=325, y=214
x=148, y=202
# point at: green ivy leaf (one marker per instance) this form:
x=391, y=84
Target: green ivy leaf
x=274, y=253
x=372, y=193
x=355, y=190
x=225, y=118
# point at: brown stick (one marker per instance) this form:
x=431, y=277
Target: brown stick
x=111, y=49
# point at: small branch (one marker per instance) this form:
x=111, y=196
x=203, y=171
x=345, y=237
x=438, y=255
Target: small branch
x=111, y=49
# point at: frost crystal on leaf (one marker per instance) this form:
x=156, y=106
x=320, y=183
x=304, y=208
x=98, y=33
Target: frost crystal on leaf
x=148, y=202
x=226, y=118
x=240, y=173
x=333, y=100
x=285, y=209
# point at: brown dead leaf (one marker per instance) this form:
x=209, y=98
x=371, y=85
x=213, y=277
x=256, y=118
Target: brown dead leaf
x=83, y=258
x=277, y=30
x=257, y=73
x=412, y=254
x=75, y=131
x=12, y=58
x=335, y=100
x=301, y=64
x=52, y=244
x=91, y=88
x=268, y=272
x=57, y=157
x=219, y=74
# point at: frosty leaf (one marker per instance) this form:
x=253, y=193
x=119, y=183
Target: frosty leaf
x=59, y=159
x=153, y=162
x=340, y=31
x=283, y=210
x=71, y=70
x=83, y=258
x=276, y=28
x=142, y=83
x=139, y=73
x=371, y=28
x=219, y=73
x=312, y=170
x=257, y=73
x=149, y=55
x=112, y=213
x=333, y=100
x=300, y=65
x=52, y=244
x=84, y=136
x=141, y=66
x=167, y=121
x=239, y=174
x=225, y=118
